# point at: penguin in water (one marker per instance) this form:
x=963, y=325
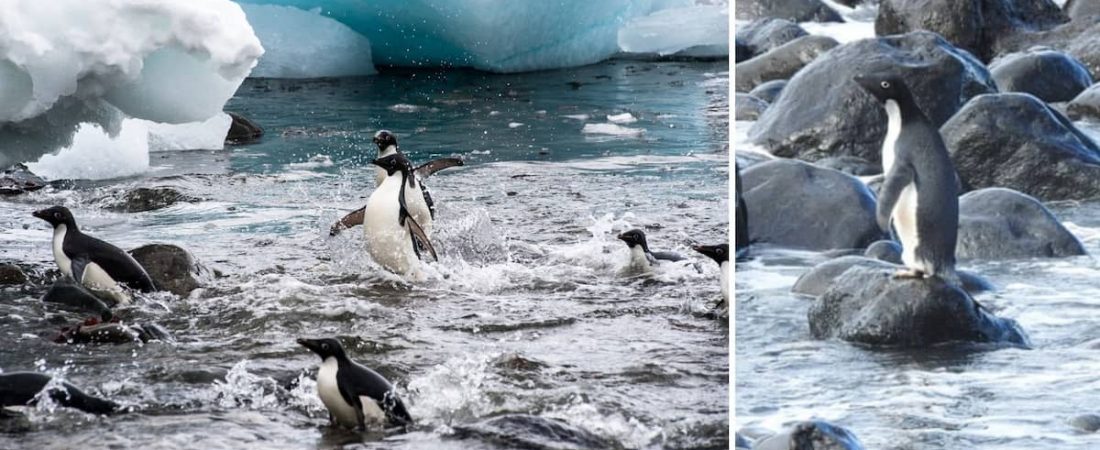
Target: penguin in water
x=642, y=259
x=721, y=255
x=95, y=264
x=23, y=389
x=392, y=219
x=919, y=196
x=387, y=145
x=356, y=396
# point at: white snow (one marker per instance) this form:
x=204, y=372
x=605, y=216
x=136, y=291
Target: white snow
x=621, y=118
x=97, y=156
x=700, y=30
x=306, y=44
x=611, y=129
x=206, y=135
x=514, y=124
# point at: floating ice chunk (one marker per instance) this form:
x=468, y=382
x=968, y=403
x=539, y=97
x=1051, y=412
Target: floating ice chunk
x=700, y=31
x=404, y=108
x=514, y=124
x=576, y=116
x=611, y=129
x=621, y=118
x=94, y=155
x=306, y=44
x=205, y=135
x=314, y=162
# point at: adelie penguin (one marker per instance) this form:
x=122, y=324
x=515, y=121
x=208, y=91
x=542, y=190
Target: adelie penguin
x=23, y=388
x=642, y=259
x=721, y=255
x=393, y=218
x=356, y=396
x=98, y=265
x=387, y=145
x=919, y=196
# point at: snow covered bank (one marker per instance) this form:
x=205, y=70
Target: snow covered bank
x=306, y=44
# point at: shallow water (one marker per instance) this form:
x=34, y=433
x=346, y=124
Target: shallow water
x=526, y=311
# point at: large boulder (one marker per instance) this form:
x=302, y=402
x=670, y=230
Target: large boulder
x=1019, y=142
x=794, y=10
x=998, y=223
x=762, y=35
x=799, y=205
x=172, y=268
x=144, y=199
x=972, y=25
x=782, y=62
x=18, y=179
x=242, y=130
x=1081, y=9
x=811, y=435
x=867, y=305
x=11, y=274
x=817, y=281
x=1086, y=106
x=768, y=91
x=822, y=112
x=1080, y=39
x=748, y=107
x=1051, y=75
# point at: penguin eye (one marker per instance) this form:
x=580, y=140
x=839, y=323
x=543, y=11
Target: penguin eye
x=57, y=215
x=720, y=251
x=324, y=346
x=885, y=84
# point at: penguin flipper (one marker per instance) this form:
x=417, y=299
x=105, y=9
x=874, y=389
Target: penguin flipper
x=900, y=176
x=667, y=256
x=77, y=266
x=420, y=236
x=353, y=218
x=427, y=169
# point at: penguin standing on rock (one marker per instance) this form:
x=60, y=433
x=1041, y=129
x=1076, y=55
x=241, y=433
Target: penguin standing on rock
x=356, y=396
x=919, y=196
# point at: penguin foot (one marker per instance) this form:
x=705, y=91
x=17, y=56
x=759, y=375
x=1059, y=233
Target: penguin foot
x=908, y=273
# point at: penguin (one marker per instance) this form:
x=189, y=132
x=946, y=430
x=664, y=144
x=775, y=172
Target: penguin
x=356, y=396
x=720, y=254
x=392, y=219
x=22, y=388
x=95, y=264
x=387, y=145
x=641, y=258
x=919, y=196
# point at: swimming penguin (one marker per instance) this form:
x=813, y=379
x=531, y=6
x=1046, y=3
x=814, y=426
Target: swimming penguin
x=22, y=388
x=387, y=145
x=721, y=255
x=641, y=258
x=392, y=219
x=355, y=396
x=97, y=265
x=919, y=196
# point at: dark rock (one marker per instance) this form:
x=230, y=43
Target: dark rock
x=11, y=274
x=533, y=432
x=812, y=435
x=18, y=179
x=851, y=165
x=1086, y=106
x=822, y=112
x=172, y=268
x=1051, y=75
x=975, y=26
x=14, y=422
x=1080, y=39
x=242, y=131
x=112, y=333
x=781, y=62
x=747, y=107
x=799, y=205
x=793, y=10
x=1081, y=9
x=149, y=199
x=888, y=251
x=741, y=225
x=769, y=90
x=998, y=223
x=762, y=35
x=741, y=52
x=821, y=277
x=867, y=305
x=66, y=292
x=741, y=443
x=1017, y=141
x=1088, y=423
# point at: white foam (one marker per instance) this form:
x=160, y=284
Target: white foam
x=611, y=130
x=621, y=118
x=306, y=44
x=514, y=124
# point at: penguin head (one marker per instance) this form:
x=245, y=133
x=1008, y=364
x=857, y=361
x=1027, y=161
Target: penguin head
x=719, y=253
x=325, y=347
x=393, y=163
x=384, y=139
x=884, y=87
x=634, y=238
x=56, y=215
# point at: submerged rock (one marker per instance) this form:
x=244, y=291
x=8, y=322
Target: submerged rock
x=748, y=107
x=144, y=199
x=762, y=35
x=533, y=432
x=822, y=112
x=817, y=281
x=1088, y=423
x=11, y=274
x=998, y=223
x=782, y=62
x=112, y=333
x=1019, y=142
x=793, y=10
x=172, y=268
x=867, y=305
x=18, y=179
x=799, y=205
x=1086, y=106
x=67, y=292
x=242, y=131
x=1051, y=75
x=811, y=435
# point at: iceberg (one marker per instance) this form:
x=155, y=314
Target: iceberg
x=694, y=31
x=306, y=44
x=78, y=65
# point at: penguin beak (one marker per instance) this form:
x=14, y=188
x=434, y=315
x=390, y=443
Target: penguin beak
x=704, y=249
x=310, y=344
x=41, y=214
x=622, y=237
x=376, y=162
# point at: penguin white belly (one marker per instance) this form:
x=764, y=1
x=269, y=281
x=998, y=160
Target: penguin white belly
x=725, y=279
x=63, y=261
x=389, y=243
x=893, y=130
x=379, y=176
x=639, y=262
x=329, y=392
x=97, y=280
x=905, y=223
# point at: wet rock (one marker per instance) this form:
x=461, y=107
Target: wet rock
x=1081, y=9
x=888, y=251
x=741, y=238
x=1051, y=75
x=781, y=62
x=94, y=332
x=533, y=432
x=1080, y=39
x=242, y=131
x=1017, y=141
x=851, y=165
x=741, y=52
x=867, y=305
x=748, y=107
x=817, y=281
x=768, y=91
x=799, y=205
x=998, y=223
x=172, y=268
x=975, y=26
x=1088, y=423
x=67, y=292
x=1086, y=106
x=822, y=113
x=812, y=435
x=11, y=274
x=18, y=179
x=740, y=442
x=144, y=199
x=793, y=10
x=762, y=35
x=14, y=422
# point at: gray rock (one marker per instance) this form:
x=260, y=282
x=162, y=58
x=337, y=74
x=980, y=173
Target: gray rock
x=769, y=90
x=851, y=165
x=11, y=274
x=1088, y=423
x=1080, y=39
x=798, y=205
x=1017, y=141
x=172, y=268
x=144, y=199
x=998, y=223
x=812, y=435
x=242, y=131
x=533, y=432
x=1051, y=75
x=822, y=113
x=1086, y=106
x=747, y=107
x=66, y=292
x=762, y=35
x=741, y=225
x=18, y=179
x=781, y=62
x=1081, y=9
x=888, y=251
x=867, y=305
x=817, y=281
x=793, y=10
